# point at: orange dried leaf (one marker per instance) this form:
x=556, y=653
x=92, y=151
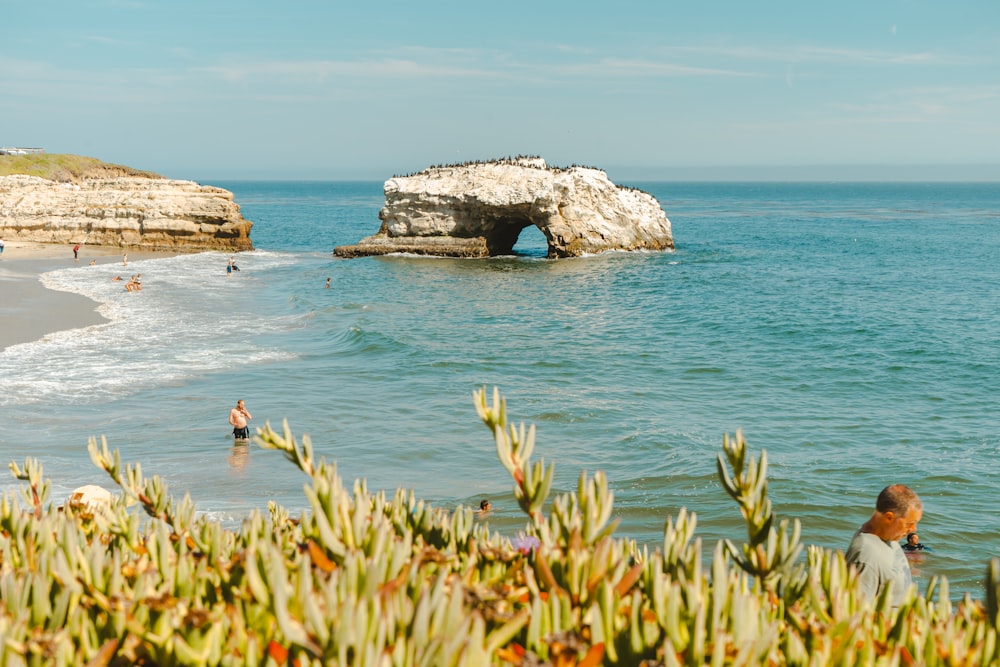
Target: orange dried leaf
x=567, y=659
x=319, y=558
x=277, y=652
x=103, y=657
x=628, y=580
x=594, y=656
x=509, y=655
x=393, y=585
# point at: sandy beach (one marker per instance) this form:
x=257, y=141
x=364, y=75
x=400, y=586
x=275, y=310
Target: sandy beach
x=29, y=311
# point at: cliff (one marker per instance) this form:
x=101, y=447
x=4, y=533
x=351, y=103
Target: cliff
x=100, y=207
x=479, y=209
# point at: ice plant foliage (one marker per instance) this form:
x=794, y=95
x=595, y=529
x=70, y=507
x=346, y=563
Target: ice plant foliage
x=770, y=554
x=360, y=578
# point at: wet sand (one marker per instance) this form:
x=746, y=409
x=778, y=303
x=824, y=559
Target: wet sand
x=28, y=310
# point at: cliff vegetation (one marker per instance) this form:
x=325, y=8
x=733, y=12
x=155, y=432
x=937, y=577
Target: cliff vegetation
x=66, y=168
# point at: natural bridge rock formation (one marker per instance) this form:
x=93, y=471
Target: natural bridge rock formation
x=134, y=212
x=479, y=209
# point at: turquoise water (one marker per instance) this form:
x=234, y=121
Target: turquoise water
x=849, y=329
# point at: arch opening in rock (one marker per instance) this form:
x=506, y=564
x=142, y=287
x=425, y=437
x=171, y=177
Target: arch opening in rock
x=502, y=233
x=531, y=242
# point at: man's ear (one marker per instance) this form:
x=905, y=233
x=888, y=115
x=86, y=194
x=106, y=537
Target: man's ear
x=890, y=516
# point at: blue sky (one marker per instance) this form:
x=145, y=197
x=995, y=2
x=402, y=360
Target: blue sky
x=216, y=89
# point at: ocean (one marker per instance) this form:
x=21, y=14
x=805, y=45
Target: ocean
x=849, y=329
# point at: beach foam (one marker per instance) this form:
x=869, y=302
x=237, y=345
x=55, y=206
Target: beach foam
x=172, y=328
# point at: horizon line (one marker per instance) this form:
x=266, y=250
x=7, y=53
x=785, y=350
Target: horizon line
x=848, y=173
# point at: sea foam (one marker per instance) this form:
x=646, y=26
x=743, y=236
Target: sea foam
x=182, y=323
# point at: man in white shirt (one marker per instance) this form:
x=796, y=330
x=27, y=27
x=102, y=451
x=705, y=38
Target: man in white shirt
x=874, y=550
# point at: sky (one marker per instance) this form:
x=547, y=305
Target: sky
x=318, y=90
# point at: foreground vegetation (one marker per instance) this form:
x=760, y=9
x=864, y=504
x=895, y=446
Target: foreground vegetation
x=65, y=168
x=364, y=579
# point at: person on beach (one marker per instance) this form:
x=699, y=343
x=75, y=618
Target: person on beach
x=485, y=506
x=93, y=262
x=76, y=251
x=874, y=550
x=1, y=246
x=125, y=259
x=238, y=418
x=328, y=283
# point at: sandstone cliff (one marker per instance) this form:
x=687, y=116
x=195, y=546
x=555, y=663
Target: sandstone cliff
x=150, y=213
x=479, y=209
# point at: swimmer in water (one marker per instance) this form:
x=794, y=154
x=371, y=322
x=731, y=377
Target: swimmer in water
x=913, y=543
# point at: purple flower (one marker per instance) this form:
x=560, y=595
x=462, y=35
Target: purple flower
x=525, y=543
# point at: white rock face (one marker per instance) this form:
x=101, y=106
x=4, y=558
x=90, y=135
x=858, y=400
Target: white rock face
x=479, y=209
x=144, y=213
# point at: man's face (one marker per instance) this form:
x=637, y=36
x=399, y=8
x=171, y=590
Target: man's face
x=901, y=524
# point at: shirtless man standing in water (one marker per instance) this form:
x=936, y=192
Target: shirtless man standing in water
x=239, y=417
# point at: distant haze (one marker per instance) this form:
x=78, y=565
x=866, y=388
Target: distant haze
x=846, y=173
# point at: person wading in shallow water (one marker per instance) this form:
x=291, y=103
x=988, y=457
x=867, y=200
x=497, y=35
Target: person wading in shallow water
x=874, y=550
x=238, y=417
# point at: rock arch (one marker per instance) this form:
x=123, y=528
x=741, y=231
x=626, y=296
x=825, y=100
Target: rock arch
x=480, y=209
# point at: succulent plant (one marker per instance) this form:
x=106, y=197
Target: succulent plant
x=361, y=578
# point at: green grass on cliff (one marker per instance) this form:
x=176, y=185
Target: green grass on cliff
x=66, y=168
